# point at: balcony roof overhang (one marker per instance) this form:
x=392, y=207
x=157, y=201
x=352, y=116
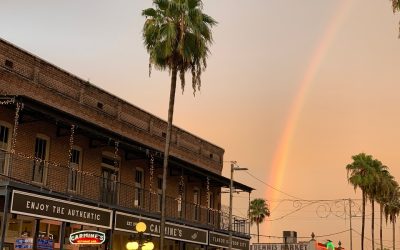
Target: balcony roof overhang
x=94, y=131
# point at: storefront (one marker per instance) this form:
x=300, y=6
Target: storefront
x=221, y=241
x=177, y=236
x=36, y=221
x=41, y=221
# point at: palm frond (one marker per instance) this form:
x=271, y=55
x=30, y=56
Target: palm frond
x=150, y=12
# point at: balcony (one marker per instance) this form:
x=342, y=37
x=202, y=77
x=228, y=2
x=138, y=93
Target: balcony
x=80, y=184
x=35, y=78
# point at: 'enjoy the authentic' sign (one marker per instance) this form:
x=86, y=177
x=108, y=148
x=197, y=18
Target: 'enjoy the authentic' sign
x=52, y=208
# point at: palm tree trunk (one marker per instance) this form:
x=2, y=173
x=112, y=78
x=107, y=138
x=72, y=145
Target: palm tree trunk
x=258, y=232
x=373, y=224
x=363, y=220
x=380, y=224
x=166, y=153
x=394, y=234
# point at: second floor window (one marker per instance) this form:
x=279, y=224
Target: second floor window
x=39, y=167
x=159, y=193
x=109, y=174
x=4, y=144
x=139, y=187
x=181, y=200
x=210, y=198
x=196, y=201
x=74, y=167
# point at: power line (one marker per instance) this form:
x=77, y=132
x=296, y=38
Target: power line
x=302, y=237
x=280, y=191
x=385, y=246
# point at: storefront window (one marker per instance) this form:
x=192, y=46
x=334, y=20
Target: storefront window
x=54, y=231
x=51, y=231
x=18, y=227
x=13, y=228
x=27, y=228
x=43, y=229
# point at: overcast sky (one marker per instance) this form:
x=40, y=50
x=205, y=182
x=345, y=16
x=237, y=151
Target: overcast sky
x=292, y=90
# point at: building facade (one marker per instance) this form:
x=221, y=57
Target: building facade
x=289, y=242
x=74, y=157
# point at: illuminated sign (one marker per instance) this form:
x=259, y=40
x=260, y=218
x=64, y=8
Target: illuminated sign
x=87, y=238
x=127, y=223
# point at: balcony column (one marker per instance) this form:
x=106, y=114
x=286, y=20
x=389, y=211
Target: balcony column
x=4, y=220
x=62, y=236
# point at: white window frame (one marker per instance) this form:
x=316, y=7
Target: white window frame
x=210, y=205
x=7, y=148
x=78, y=169
x=46, y=157
x=111, y=156
x=196, y=204
x=138, y=201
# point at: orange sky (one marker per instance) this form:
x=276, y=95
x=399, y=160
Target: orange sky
x=292, y=88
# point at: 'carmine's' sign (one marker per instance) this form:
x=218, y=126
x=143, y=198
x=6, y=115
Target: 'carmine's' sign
x=127, y=223
x=52, y=208
x=87, y=237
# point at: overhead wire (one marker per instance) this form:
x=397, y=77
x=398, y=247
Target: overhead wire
x=272, y=187
x=303, y=237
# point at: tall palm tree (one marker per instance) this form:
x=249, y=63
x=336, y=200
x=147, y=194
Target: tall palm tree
x=177, y=35
x=373, y=190
x=396, y=5
x=360, y=174
x=386, y=186
x=396, y=8
x=259, y=210
x=392, y=210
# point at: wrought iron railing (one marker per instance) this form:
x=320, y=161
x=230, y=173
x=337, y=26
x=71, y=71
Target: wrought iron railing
x=81, y=184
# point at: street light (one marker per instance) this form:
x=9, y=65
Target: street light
x=140, y=242
x=233, y=168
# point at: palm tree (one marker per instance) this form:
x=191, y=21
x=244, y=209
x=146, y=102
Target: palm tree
x=360, y=174
x=373, y=190
x=259, y=210
x=396, y=8
x=392, y=210
x=386, y=186
x=177, y=35
x=396, y=5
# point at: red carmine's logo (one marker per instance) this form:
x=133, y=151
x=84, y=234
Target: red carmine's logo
x=87, y=237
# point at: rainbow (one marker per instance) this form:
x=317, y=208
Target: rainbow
x=279, y=162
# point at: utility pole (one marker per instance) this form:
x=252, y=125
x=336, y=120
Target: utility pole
x=351, y=229
x=230, y=208
x=233, y=168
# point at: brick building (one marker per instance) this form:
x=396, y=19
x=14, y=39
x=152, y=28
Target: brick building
x=74, y=157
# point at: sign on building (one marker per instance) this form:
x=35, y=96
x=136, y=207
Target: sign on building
x=87, y=237
x=51, y=208
x=280, y=246
x=44, y=244
x=24, y=243
x=127, y=222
